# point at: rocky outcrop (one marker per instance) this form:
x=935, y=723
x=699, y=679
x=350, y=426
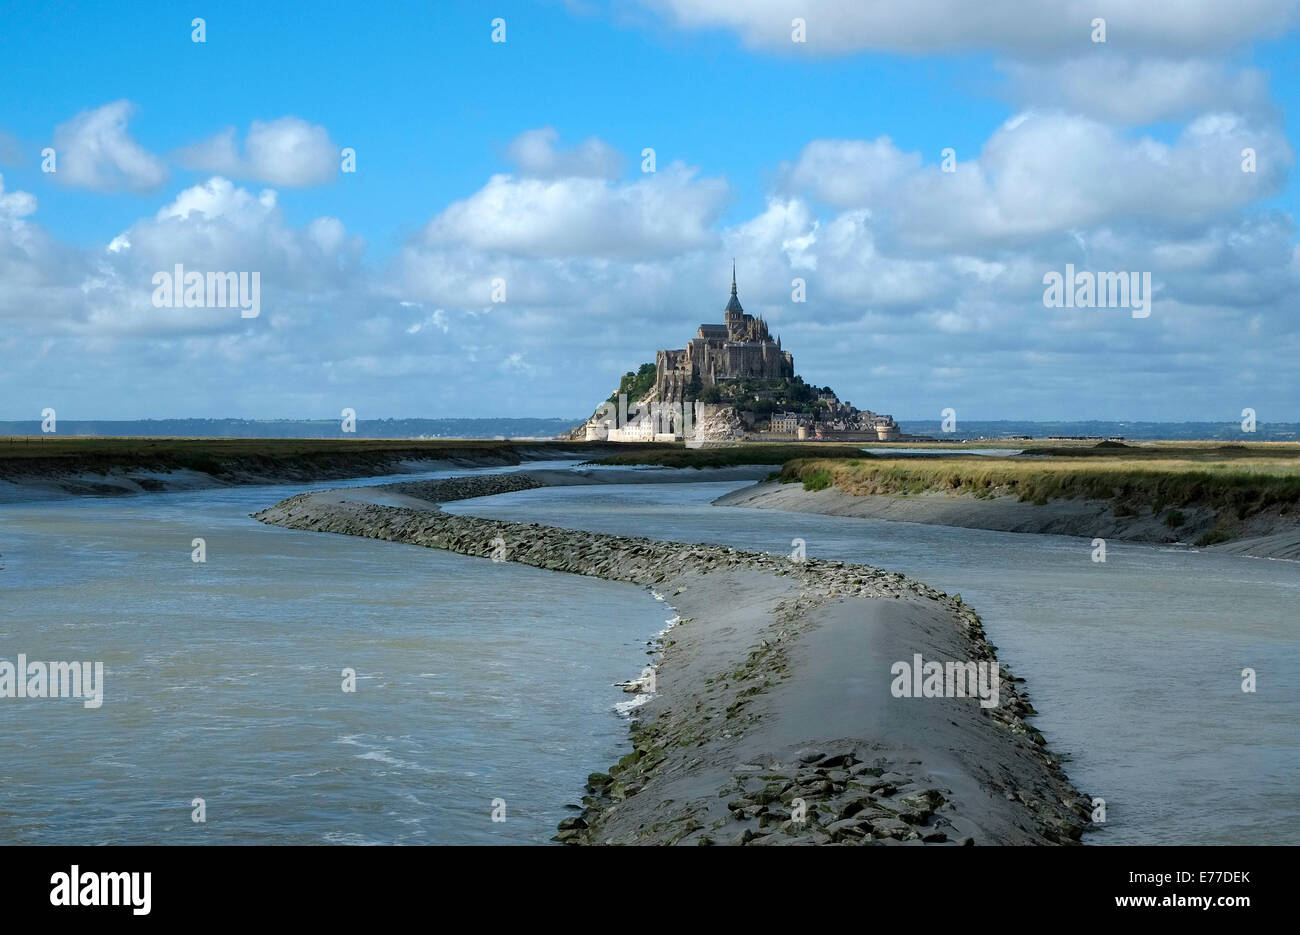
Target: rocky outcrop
x=718, y=423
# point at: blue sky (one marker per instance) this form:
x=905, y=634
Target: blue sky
x=432, y=103
x=522, y=159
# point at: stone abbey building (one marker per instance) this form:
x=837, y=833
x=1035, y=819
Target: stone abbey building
x=739, y=347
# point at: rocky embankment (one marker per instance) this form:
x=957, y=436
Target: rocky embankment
x=768, y=719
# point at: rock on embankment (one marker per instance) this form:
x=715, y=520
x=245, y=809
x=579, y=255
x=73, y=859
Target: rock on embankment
x=769, y=719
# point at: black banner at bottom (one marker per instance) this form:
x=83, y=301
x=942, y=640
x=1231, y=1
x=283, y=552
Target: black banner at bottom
x=143, y=885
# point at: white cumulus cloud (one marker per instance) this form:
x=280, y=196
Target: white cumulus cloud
x=1047, y=173
x=1139, y=90
x=93, y=150
x=535, y=154
x=289, y=152
x=665, y=212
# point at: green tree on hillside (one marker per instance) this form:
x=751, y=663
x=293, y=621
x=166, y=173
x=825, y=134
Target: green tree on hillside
x=635, y=385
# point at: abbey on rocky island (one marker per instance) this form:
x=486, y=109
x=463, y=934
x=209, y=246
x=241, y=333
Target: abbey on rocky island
x=732, y=381
x=740, y=347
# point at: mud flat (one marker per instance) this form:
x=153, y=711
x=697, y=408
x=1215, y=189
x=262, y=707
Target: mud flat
x=92, y=466
x=1268, y=534
x=768, y=718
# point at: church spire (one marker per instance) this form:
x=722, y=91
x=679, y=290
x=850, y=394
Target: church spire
x=733, y=304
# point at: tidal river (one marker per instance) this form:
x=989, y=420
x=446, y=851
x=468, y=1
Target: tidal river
x=483, y=689
x=1134, y=665
x=485, y=686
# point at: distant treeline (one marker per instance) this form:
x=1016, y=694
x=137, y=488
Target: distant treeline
x=303, y=428
x=1172, y=431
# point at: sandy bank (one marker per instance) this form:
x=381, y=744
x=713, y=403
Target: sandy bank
x=62, y=482
x=409, y=494
x=1078, y=517
x=769, y=719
